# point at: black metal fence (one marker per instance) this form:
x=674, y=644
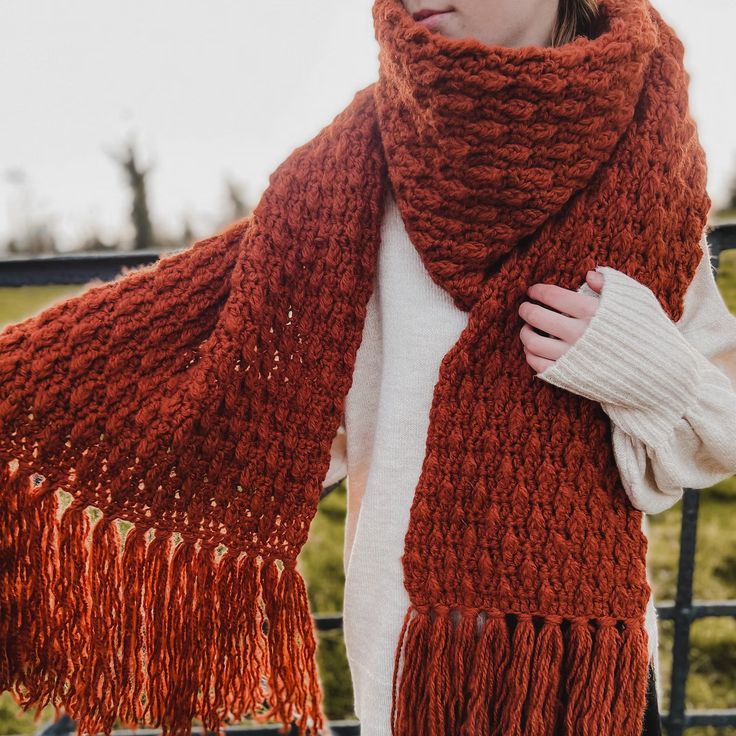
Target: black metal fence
x=684, y=610
x=82, y=268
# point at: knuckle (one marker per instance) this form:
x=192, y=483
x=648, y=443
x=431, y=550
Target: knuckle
x=544, y=291
x=535, y=342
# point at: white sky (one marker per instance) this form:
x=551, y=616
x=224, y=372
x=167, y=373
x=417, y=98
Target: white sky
x=216, y=88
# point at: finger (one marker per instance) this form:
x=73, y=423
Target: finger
x=556, y=324
x=537, y=363
x=566, y=301
x=543, y=347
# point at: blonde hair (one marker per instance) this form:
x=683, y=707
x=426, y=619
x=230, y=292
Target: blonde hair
x=574, y=18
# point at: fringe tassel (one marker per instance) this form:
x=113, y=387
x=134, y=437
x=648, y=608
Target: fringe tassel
x=606, y=650
x=292, y=670
x=142, y=627
x=101, y=683
x=518, y=674
x=69, y=612
x=578, y=655
x=241, y=637
x=545, y=705
x=491, y=657
x=27, y=516
x=410, y=707
x=438, y=673
x=131, y=705
x=511, y=695
x=8, y=564
x=11, y=573
x=628, y=712
x=463, y=647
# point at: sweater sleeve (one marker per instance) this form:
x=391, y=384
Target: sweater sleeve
x=338, y=458
x=669, y=388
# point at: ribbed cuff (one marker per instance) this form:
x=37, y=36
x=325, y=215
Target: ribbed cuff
x=632, y=359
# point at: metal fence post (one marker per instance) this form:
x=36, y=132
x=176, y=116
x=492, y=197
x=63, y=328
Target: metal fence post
x=674, y=721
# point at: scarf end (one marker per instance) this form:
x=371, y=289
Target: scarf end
x=471, y=673
x=115, y=624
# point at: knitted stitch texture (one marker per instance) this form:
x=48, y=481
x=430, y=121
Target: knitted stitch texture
x=192, y=404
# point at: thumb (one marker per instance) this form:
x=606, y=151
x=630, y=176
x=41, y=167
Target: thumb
x=594, y=280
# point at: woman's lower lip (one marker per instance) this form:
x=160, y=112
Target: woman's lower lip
x=433, y=21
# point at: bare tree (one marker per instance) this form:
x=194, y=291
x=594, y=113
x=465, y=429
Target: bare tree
x=144, y=238
x=238, y=202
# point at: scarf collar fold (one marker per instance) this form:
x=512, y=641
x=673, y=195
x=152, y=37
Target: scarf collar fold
x=486, y=143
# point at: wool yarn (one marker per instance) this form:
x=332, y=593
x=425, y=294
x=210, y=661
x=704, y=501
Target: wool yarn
x=164, y=436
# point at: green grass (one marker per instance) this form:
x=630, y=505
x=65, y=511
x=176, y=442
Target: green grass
x=712, y=682
x=18, y=303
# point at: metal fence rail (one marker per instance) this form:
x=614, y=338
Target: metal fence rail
x=82, y=268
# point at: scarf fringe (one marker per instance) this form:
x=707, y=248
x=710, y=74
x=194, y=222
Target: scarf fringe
x=478, y=673
x=125, y=624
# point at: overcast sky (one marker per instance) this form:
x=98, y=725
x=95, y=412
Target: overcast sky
x=217, y=88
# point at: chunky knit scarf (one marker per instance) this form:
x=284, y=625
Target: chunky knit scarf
x=165, y=436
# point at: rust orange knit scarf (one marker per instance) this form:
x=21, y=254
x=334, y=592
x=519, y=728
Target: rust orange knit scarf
x=164, y=437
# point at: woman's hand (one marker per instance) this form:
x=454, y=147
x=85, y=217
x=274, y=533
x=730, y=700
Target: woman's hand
x=564, y=329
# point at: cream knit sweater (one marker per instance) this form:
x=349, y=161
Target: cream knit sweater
x=672, y=414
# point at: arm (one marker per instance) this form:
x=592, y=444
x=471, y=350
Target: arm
x=668, y=388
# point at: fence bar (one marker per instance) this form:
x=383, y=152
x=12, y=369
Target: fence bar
x=65, y=726
x=72, y=268
x=667, y=611
x=717, y=718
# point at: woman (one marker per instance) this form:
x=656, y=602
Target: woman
x=198, y=401
x=632, y=353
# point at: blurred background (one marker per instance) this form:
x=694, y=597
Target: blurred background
x=145, y=126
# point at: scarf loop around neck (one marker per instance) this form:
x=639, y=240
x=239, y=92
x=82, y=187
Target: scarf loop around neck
x=164, y=436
